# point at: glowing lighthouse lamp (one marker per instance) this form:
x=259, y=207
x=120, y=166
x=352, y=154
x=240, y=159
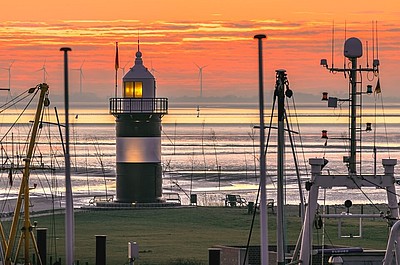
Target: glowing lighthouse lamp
x=138, y=136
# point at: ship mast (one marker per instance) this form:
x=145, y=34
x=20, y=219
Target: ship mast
x=281, y=82
x=353, y=119
x=354, y=179
x=23, y=194
x=352, y=51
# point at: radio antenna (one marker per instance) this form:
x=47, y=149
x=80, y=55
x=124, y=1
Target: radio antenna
x=367, y=51
x=373, y=40
x=333, y=41
x=376, y=36
x=138, y=40
x=345, y=38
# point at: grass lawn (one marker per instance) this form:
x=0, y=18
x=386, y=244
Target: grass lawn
x=166, y=236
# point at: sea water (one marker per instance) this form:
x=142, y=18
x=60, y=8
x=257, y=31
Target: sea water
x=211, y=152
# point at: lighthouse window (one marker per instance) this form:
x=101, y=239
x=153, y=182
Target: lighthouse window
x=128, y=92
x=133, y=89
x=138, y=89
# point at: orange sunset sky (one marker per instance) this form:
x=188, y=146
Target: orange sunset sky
x=175, y=35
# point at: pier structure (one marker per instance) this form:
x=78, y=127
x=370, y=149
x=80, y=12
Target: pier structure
x=138, y=113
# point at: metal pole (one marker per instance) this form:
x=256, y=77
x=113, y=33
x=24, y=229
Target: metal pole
x=280, y=93
x=353, y=115
x=69, y=206
x=116, y=69
x=263, y=195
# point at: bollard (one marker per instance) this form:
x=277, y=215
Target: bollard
x=193, y=199
x=250, y=207
x=133, y=252
x=101, y=250
x=41, y=235
x=214, y=256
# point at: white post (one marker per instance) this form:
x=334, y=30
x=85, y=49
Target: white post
x=306, y=240
x=392, y=245
x=394, y=237
x=69, y=205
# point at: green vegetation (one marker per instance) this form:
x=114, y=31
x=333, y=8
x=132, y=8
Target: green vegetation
x=182, y=236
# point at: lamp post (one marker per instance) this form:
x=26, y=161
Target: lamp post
x=69, y=206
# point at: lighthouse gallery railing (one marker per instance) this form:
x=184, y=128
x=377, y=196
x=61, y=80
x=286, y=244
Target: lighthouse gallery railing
x=138, y=105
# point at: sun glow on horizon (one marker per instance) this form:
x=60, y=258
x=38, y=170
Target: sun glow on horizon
x=173, y=43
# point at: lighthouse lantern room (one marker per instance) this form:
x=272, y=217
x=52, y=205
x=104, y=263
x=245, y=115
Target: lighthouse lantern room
x=138, y=136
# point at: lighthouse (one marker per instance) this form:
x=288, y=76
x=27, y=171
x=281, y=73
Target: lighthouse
x=138, y=115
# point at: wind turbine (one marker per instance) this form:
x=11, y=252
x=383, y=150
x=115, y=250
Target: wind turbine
x=152, y=70
x=44, y=71
x=80, y=76
x=123, y=68
x=9, y=74
x=201, y=86
x=123, y=74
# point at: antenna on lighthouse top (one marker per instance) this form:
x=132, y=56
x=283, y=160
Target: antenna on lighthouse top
x=138, y=39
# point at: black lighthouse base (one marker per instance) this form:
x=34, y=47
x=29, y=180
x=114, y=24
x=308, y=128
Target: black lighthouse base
x=139, y=182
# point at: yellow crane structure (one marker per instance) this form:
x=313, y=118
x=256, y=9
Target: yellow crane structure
x=26, y=236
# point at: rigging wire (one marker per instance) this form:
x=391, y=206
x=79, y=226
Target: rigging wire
x=269, y=135
x=259, y=186
x=53, y=185
x=329, y=238
x=19, y=116
x=366, y=196
x=99, y=158
x=381, y=187
x=300, y=137
x=8, y=131
x=252, y=224
x=14, y=101
x=294, y=153
x=385, y=125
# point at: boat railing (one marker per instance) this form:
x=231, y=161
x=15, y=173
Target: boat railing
x=138, y=105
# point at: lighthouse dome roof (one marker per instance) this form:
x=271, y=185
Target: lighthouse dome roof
x=138, y=71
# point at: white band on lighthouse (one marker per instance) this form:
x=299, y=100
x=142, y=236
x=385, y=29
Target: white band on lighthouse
x=138, y=149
